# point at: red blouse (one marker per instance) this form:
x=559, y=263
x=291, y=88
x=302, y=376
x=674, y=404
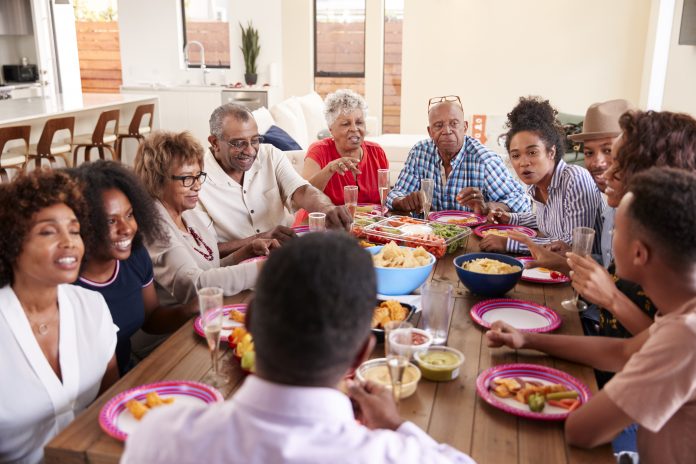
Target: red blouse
x=324, y=151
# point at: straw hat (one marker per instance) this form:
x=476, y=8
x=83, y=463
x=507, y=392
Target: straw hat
x=602, y=120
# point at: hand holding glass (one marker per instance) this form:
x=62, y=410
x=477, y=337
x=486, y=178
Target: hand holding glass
x=383, y=186
x=427, y=187
x=210, y=305
x=398, y=356
x=583, y=238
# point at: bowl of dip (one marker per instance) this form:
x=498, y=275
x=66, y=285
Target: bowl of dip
x=439, y=363
x=420, y=341
x=376, y=371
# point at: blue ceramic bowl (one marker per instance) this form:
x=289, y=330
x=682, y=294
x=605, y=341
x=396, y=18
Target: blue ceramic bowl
x=487, y=284
x=400, y=281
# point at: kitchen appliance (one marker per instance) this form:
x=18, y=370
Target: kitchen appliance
x=20, y=73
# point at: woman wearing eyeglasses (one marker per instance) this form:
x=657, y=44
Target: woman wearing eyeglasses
x=345, y=158
x=171, y=167
x=116, y=263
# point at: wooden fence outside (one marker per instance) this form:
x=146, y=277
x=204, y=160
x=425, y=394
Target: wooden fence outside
x=100, y=56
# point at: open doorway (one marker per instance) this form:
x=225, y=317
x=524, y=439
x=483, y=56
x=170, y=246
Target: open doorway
x=96, y=24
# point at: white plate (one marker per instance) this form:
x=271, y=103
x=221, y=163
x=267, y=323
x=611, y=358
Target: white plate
x=516, y=318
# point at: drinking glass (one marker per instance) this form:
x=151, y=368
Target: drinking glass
x=350, y=199
x=393, y=325
x=210, y=305
x=317, y=222
x=583, y=238
x=437, y=302
x=398, y=357
x=427, y=186
x=383, y=186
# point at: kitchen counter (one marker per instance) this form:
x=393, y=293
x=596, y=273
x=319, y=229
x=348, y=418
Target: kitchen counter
x=19, y=110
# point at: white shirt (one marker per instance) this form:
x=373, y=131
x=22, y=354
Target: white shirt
x=181, y=268
x=34, y=403
x=268, y=423
x=261, y=203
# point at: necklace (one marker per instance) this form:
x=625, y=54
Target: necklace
x=42, y=328
x=199, y=241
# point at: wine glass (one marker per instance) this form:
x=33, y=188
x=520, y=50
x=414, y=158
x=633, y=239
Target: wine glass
x=398, y=357
x=210, y=305
x=350, y=199
x=383, y=186
x=317, y=222
x=583, y=238
x=427, y=186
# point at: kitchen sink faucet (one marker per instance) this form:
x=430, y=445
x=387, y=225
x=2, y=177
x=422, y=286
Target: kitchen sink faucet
x=204, y=71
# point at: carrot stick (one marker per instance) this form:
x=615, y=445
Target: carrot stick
x=558, y=404
x=574, y=406
x=568, y=402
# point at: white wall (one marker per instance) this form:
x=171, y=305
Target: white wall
x=151, y=41
x=491, y=52
x=298, y=46
x=680, y=82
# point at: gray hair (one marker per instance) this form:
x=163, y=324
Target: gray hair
x=238, y=112
x=342, y=101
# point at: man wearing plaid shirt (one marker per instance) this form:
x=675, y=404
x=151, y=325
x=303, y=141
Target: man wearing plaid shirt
x=467, y=175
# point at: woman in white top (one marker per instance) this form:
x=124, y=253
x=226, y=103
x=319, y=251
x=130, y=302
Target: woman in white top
x=171, y=167
x=57, y=340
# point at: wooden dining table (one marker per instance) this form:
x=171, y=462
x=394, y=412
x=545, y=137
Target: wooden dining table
x=451, y=412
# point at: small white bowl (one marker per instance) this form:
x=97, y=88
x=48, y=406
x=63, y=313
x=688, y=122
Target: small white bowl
x=380, y=374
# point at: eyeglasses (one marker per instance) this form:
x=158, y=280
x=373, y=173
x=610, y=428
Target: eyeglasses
x=188, y=181
x=446, y=98
x=243, y=144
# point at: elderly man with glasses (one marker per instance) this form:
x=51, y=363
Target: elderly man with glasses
x=252, y=186
x=467, y=175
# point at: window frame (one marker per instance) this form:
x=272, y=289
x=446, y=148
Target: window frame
x=318, y=73
x=198, y=66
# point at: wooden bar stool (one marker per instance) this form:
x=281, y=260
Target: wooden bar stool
x=136, y=129
x=46, y=149
x=99, y=139
x=13, y=160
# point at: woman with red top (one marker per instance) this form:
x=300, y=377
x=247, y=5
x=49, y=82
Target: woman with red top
x=345, y=158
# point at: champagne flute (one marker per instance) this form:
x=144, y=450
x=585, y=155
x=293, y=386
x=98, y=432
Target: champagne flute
x=427, y=187
x=350, y=200
x=583, y=238
x=398, y=357
x=210, y=305
x=383, y=186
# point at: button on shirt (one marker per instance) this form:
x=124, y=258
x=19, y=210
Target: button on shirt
x=574, y=200
x=271, y=423
x=607, y=235
x=474, y=166
x=261, y=203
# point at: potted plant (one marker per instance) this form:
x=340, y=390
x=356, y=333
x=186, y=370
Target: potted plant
x=250, y=49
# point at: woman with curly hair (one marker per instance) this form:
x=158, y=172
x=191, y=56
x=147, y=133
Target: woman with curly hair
x=565, y=196
x=117, y=265
x=57, y=340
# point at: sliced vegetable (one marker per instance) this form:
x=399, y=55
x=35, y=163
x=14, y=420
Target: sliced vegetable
x=557, y=404
x=574, y=406
x=562, y=395
x=536, y=402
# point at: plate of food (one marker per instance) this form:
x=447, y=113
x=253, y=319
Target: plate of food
x=532, y=391
x=387, y=311
x=232, y=316
x=522, y=315
x=453, y=216
x=121, y=414
x=369, y=208
x=541, y=274
x=301, y=230
x=503, y=230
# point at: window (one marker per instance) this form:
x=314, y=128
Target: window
x=339, y=38
x=205, y=21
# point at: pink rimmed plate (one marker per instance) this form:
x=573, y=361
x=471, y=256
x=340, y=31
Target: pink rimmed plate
x=255, y=259
x=527, y=372
x=482, y=231
x=227, y=323
x=116, y=421
x=301, y=230
x=365, y=208
x=522, y=315
x=541, y=275
x=462, y=218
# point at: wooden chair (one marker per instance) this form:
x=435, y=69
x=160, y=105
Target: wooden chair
x=46, y=149
x=98, y=139
x=136, y=129
x=13, y=160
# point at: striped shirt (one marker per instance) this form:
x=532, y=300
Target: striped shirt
x=474, y=166
x=574, y=201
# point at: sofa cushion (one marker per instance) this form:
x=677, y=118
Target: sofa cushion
x=264, y=119
x=280, y=139
x=313, y=109
x=288, y=115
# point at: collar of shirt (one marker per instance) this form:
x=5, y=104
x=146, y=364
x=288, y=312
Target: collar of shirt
x=312, y=404
x=555, y=179
x=218, y=176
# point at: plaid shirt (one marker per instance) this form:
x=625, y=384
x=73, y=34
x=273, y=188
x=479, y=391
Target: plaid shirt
x=474, y=166
x=574, y=200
